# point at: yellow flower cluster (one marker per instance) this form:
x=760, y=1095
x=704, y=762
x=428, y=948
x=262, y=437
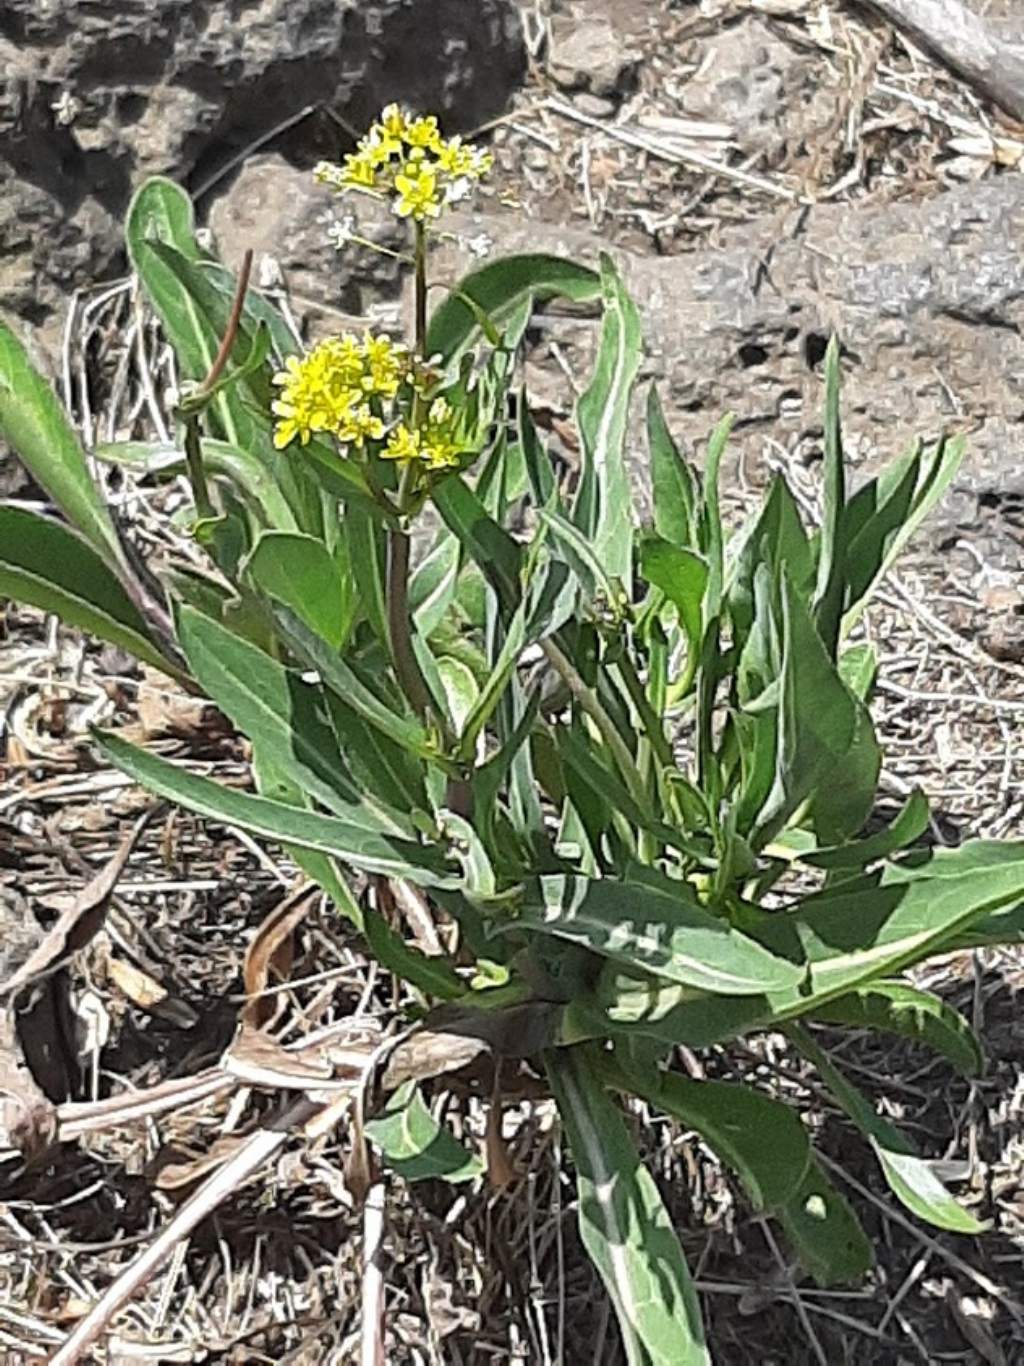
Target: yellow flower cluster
x=352, y=390
x=338, y=388
x=434, y=442
x=408, y=159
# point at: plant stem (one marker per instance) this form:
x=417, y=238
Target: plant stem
x=407, y=667
x=421, y=289
x=195, y=470
x=591, y=704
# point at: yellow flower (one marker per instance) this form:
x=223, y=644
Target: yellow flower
x=387, y=364
x=407, y=158
x=424, y=132
x=418, y=195
x=361, y=424
x=360, y=172
x=378, y=147
x=393, y=121
x=403, y=444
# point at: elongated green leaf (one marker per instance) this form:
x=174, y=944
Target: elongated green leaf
x=624, y=1224
x=875, y=926
x=275, y=785
x=500, y=290
x=762, y=1139
x=898, y=1008
x=825, y=1233
x=603, y=509
x=909, y=825
x=342, y=679
x=248, y=475
x=300, y=573
x=848, y=935
x=370, y=850
x=415, y=1145
x=483, y=540
x=826, y=745
x=434, y=583
x=579, y=554
x=1004, y=926
x=279, y=712
x=774, y=539
x=47, y=565
x=670, y=934
x=161, y=211
x=33, y=423
x=675, y=492
x=433, y=975
x=909, y=1177
x=540, y=471
x=832, y=550
x=682, y=576
x=880, y=518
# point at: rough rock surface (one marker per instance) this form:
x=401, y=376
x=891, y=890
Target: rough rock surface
x=927, y=298
x=97, y=94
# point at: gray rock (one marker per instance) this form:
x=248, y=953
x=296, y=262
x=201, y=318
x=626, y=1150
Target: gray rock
x=588, y=54
x=768, y=90
x=97, y=94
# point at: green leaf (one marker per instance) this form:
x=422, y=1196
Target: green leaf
x=540, y=471
x=499, y=290
x=624, y=1224
x=433, y=975
x=434, y=582
x=299, y=572
x=909, y=1177
x=47, y=565
x=343, y=680
x=898, y=1008
x=883, y=515
x=415, y=1145
x=876, y=925
x=272, y=783
x=909, y=825
x=683, y=577
x=774, y=538
x=603, y=507
x=248, y=475
x=370, y=850
x=762, y=1139
x=460, y=688
x=666, y=933
x=579, y=555
x=825, y=1233
x=826, y=745
x=858, y=668
x=279, y=712
x=33, y=423
x=675, y=491
x=831, y=550
x=483, y=540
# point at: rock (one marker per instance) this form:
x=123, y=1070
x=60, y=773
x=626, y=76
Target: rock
x=588, y=54
x=770, y=92
x=283, y=215
x=96, y=94
x=594, y=106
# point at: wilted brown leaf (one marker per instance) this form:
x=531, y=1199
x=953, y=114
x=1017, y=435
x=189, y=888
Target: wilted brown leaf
x=77, y=924
x=271, y=952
